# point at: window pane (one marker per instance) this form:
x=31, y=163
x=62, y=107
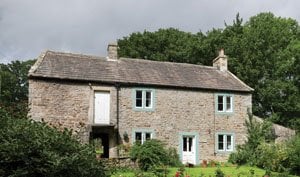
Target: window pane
x=148, y=136
x=138, y=98
x=220, y=103
x=228, y=103
x=148, y=99
x=229, y=142
x=220, y=142
x=190, y=144
x=138, y=137
x=184, y=144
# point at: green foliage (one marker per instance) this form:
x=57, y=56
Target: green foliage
x=264, y=52
x=173, y=158
x=272, y=157
x=150, y=155
x=29, y=148
x=14, y=87
x=163, y=45
x=293, y=162
x=281, y=157
x=257, y=133
x=219, y=173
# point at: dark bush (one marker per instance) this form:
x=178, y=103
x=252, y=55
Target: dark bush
x=29, y=148
x=173, y=158
x=219, y=173
x=149, y=155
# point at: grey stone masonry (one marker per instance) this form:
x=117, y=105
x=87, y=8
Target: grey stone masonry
x=70, y=105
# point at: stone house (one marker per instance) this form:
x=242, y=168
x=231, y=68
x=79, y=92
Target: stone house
x=199, y=110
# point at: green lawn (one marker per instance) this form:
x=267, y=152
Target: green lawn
x=209, y=171
x=232, y=171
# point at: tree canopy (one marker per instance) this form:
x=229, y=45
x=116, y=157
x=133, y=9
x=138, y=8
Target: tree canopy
x=14, y=87
x=264, y=52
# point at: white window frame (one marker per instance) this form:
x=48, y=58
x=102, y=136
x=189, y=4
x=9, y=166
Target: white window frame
x=144, y=99
x=225, y=136
x=143, y=133
x=224, y=99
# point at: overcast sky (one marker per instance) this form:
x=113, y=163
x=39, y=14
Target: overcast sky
x=28, y=27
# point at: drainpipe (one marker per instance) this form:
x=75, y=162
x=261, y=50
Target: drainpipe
x=214, y=134
x=117, y=85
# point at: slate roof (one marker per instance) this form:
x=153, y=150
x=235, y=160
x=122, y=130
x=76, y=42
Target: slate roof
x=69, y=66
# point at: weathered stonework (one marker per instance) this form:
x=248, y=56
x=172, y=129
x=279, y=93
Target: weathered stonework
x=179, y=111
x=71, y=105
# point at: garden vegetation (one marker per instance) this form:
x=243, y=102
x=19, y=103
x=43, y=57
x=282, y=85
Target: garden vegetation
x=29, y=148
x=259, y=150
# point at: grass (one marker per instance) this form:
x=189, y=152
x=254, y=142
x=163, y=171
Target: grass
x=198, y=171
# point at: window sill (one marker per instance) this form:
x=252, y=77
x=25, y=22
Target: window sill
x=143, y=109
x=223, y=152
x=224, y=113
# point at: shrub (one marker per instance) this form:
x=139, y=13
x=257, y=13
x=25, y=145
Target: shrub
x=149, y=155
x=293, y=148
x=257, y=133
x=173, y=158
x=29, y=148
x=284, y=157
x=219, y=173
x=272, y=156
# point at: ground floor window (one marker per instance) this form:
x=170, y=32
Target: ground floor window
x=225, y=142
x=141, y=136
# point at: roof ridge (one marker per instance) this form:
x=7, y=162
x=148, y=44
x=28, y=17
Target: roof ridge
x=78, y=55
x=168, y=62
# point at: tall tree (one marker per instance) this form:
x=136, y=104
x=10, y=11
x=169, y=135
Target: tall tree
x=14, y=87
x=163, y=45
x=264, y=63
x=263, y=52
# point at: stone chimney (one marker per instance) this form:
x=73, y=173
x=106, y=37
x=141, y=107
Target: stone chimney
x=221, y=61
x=112, y=50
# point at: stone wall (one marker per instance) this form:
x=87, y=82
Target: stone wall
x=70, y=104
x=177, y=111
x=281, y=133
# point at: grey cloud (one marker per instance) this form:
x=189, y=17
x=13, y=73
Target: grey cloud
x=28, y=27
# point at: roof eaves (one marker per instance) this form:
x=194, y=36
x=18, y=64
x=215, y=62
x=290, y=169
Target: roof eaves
x=245, y=85
x=37, y=63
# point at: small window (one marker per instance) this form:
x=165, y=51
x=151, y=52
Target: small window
x=225, y=142
x=220, y=103
x=138, y=98
x=141, y=137
x=224, y=103
x=228, y=103
x=143, y=99
x=138, y=137
x=220, y=142
x=148, y=99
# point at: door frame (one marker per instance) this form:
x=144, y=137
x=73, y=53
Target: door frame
x=180, y=147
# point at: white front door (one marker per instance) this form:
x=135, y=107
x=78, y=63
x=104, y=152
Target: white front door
x=102, y=108
x=188, y=150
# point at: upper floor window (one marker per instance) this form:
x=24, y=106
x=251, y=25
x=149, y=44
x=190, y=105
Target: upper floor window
x=225, y=142
x=224, y=103
x=143, y=99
